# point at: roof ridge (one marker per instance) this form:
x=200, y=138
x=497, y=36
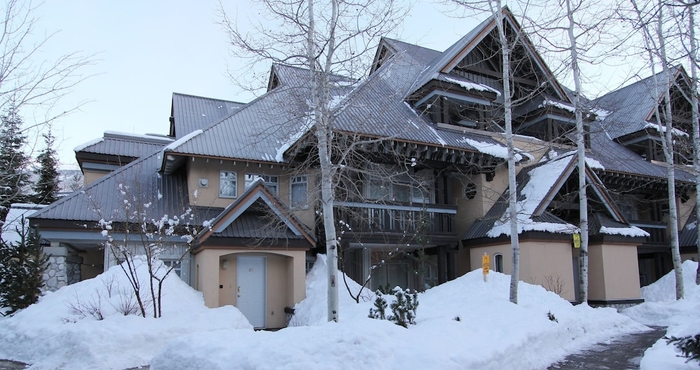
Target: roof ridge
x=208, y=98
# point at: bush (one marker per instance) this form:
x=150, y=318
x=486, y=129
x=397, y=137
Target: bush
x=689, y=346
x=403, y=307
x=22, y=266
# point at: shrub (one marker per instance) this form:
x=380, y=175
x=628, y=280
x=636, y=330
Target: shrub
x=689, y=346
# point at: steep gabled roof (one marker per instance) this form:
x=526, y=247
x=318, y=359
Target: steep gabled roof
x=265, y=128
x=537, y=187
x=420, y=54
x=615, y=158
x=190, y=113
x=631, y=107
x=455, y=53
x=103, y=198
x=123, y=144
x=257, y=213
x=688, y=236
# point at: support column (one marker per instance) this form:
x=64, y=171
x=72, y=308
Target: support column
x=56, y=274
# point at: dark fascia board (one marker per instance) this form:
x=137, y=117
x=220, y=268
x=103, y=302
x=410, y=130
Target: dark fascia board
x=508, y=15
x=246, y=244
x=526, y=236
x=257, y=190
x=555, y=188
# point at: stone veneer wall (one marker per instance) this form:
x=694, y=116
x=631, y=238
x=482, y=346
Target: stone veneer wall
x=62, y=269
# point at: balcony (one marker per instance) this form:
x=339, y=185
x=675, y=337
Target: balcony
x=394, y=222
x=656, y=230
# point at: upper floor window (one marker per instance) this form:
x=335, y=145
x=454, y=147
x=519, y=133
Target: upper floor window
x=398, y=191
x=272, y=182
x=299, y=191
x=228, y=181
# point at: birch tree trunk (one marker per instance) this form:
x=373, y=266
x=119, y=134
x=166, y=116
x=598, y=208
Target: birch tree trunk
x=581, y=150
x=667, y=144
x=512, y=186
x=695, y=118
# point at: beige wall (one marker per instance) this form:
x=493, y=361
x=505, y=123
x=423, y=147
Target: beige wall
x=689, y=256
x=547, y=263
x=613, y=272
x=285, y=278
x=203, y=168
x=91, y=176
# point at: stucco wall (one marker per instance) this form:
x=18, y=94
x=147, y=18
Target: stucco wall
x=613, y=272
x=285, y=278
x=201, y=168
x=547, y=263
x=91, y=176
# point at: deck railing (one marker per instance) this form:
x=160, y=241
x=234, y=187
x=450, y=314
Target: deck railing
x=397, y=217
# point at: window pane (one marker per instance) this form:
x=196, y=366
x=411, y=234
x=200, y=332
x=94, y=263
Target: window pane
x=377, y=190
x=270, y=181
x=299, y=192
x=227, y=184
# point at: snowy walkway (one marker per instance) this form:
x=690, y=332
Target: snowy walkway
x=621, y=354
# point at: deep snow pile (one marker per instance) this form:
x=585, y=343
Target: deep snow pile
x=52, y=334
x=661, y=308
x=462, y=324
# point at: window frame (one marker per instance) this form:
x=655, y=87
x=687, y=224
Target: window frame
x=496, y=263
x=271, y=181
x=297, y=180
x=223, y=179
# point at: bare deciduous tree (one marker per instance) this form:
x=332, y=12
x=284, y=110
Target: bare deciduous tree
x=650, y=21
x=327, y=38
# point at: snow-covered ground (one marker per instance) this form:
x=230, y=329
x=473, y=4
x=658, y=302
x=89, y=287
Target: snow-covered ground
x=463, y=324
x=662, y=309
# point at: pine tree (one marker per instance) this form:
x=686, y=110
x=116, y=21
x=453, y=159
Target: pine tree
x=13, y=161
x=46, y=189
x=22, y=266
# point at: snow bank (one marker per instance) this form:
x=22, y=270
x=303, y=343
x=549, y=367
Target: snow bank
x=462, y=324
x=52, y=335
x=662, y=309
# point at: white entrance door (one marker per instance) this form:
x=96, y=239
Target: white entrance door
x=250, y=298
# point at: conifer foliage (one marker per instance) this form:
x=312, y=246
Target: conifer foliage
x=13, y=161
x=46, y=188
x=22, y=266
x=403, y=307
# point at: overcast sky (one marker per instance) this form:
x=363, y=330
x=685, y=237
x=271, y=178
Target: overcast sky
x=149, y=49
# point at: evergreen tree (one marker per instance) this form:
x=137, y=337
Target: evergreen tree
x=46, y=189
x=13, y=161
x=22, y=266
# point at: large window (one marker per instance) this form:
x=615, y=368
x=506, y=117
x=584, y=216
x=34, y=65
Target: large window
x=272, y=182
x=406, y=192
x=227, y=184
x=299, y=191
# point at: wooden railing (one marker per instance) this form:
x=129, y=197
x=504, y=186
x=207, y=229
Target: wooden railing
x=429, y=219
x=656, y=230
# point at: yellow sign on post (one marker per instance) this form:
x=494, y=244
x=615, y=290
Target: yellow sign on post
x=577, y=240
x=485, y=263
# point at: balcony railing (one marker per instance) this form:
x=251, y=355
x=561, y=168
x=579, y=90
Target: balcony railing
x=656, y=230
x=429, y=219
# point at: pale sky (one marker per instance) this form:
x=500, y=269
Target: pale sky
x=149, y=49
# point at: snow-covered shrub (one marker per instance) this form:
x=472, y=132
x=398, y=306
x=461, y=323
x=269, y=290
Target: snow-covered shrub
x=379, y=310
x=689, y=346
x=403, y=307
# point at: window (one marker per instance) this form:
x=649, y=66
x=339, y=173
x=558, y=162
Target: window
x=227, y=184
x=299, y=186
x=270, y=181
x=176, y=265
x=498, y=262
x=405, y=192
